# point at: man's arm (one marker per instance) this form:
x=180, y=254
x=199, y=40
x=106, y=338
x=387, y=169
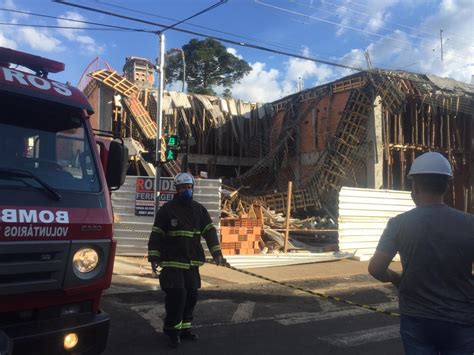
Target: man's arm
x=386, y=250
x=378, y=268
x=158, y=232
x=209, y=233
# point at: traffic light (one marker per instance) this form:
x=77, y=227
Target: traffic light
x=172, y=147
x=171, y=154
x=172, y=141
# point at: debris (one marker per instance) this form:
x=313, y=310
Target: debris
x=315, y=234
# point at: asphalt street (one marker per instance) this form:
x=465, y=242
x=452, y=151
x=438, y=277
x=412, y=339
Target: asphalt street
x=257, y=317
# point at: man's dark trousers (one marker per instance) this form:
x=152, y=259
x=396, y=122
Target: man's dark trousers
x=181, y=294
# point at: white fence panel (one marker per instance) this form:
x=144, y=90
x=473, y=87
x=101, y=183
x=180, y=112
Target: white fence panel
x=363, y=215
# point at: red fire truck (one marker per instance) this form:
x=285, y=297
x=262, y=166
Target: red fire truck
x=56, y=245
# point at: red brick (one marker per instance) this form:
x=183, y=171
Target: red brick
x=230, y=238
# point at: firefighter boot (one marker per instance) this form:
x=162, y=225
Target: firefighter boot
x=173, y=341
x=187, y=334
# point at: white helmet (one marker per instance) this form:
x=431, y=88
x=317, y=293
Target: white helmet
x=431, y=163
x=183, y=178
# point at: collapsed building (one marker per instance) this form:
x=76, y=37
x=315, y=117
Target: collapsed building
x=363, y=130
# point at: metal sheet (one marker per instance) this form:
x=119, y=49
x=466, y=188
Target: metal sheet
x=272, y=260
x=180, y=100
x=232, y=107
x=204, y=101
x=363, y=215
x=223, y=105
x=244, y=109
x=167, y=105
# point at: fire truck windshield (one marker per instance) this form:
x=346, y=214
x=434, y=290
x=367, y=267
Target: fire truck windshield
x=50, y=143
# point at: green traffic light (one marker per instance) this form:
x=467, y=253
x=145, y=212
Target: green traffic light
x=171, y=155
x=172, y=141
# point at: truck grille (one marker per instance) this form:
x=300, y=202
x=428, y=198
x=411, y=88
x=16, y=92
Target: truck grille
x=32, y=266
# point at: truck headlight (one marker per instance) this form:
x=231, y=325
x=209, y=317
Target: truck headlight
x=85, y=260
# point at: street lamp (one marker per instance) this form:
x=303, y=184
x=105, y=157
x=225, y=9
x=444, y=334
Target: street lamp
x=174, y=51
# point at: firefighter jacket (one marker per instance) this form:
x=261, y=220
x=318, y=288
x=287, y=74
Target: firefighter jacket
x=175, y=240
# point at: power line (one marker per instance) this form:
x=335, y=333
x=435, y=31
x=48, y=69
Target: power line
x=221, y=2
x=330, y=22
x=356, y=19
x=65, y=27
x=242, y=44
x=145, y=31
x=429, y=33
x=225, y=40
x=74, y=20
x=274, y=44
x=270, y=43
x=386, y=21
x=408, y=44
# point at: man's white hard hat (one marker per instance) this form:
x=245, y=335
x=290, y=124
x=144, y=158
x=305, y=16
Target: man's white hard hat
x=183, y=178
x=431, y=163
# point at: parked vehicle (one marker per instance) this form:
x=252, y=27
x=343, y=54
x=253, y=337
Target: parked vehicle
x=56, y=221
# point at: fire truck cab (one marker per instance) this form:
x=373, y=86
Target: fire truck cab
x=56, y=220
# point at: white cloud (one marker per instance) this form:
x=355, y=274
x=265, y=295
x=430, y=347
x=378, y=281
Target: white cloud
x=69, y=33
x=449, y=6
x=300, y=68
x=87, y=43
x=6, y=42
x=259, y=85
x=9, y=4
x=266, y=85
x=424, y=55
x=376, y=22
x=396, y=48
x=368, y=16
x=25, y=38
x=233, y=51
x=399, y=51
x=39, y=40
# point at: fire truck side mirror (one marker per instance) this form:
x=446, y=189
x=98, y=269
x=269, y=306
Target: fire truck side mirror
x=117, y=164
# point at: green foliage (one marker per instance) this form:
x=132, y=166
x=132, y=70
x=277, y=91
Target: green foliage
x=208, y=64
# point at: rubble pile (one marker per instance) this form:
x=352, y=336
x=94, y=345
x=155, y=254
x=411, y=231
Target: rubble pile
x=251, y=228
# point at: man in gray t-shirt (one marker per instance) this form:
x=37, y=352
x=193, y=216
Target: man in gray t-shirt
x=436, y=246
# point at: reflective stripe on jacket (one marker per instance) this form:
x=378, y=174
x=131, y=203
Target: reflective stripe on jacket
x=175, y=239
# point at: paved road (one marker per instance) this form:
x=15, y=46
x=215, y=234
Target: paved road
x=257, y=318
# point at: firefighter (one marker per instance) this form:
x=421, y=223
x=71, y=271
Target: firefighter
x=175, y=245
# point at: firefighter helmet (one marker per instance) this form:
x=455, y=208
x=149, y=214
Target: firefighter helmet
x=183, y=178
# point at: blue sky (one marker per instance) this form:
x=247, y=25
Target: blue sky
x=397, y=34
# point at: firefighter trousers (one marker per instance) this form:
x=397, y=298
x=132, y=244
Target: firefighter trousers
x=181, y=293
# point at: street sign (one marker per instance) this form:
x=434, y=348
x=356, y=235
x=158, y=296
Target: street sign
x=145, y=194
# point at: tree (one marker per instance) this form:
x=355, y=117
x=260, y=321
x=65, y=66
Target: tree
x=208, y=64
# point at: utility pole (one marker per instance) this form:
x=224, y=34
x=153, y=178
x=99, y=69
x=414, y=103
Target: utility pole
x=441, y=39
x=159, y=121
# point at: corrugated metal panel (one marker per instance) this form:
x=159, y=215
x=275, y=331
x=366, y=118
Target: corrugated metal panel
x=363, y=215
x=223, y=105
x=244, y=108
x=167, y=105
x=271, y=260
x=132, y=231
x=232, y=107
x=205, y=101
